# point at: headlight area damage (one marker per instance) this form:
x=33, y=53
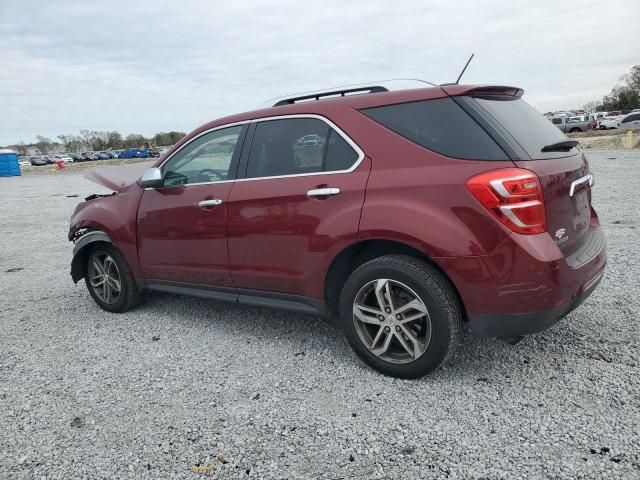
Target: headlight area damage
x=108, y=217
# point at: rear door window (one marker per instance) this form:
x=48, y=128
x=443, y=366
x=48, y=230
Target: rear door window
x=529, y=128
x=297, y=146
x=439, y=125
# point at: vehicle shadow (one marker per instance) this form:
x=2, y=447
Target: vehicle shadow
x=475, y=358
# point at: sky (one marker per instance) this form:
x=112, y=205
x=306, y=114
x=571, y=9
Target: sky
x=143, y=66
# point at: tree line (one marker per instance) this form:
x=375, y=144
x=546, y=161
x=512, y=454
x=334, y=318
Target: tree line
x=90, y=140
x=624, y=96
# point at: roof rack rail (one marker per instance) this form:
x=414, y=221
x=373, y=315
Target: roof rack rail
x=375, y=86
x=333, y=93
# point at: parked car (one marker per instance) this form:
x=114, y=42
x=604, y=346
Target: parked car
x=39, y=160
x=427, y=212
x=88, y=156
x=154, y=152
x=76, y=156
x=628, y=122
x=134, y=153
x=103, y=155
x=573, y=124
x=608, y=123
x=64, y=158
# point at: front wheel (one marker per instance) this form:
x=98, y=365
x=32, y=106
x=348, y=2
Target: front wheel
x=109, y=279
x=400, y=315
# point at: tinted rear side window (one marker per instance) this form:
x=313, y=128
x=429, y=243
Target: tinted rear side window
x=439, y=125
x=527, y=126
x=297, y=146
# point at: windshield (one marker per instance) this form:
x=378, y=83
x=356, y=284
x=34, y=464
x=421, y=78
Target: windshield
x=527, y=126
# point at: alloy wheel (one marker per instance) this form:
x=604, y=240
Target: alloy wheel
x=104, y=277
x=392, y=321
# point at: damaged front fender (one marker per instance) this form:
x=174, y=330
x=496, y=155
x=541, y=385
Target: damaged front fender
x=81, y=244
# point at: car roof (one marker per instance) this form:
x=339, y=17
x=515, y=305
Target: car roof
x=357, y=101
x=325, y=106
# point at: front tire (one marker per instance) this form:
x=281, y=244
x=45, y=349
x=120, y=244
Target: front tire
x=400, y=315
x=109, y=279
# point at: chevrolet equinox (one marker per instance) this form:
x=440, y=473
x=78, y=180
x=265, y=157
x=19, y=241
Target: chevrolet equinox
x=404, y=216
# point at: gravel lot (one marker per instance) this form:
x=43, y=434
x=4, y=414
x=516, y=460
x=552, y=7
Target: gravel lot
x=184, y=384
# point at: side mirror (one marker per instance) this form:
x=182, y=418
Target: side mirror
x=151, y=178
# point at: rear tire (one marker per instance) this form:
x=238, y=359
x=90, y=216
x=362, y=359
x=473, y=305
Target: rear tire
x=109, y=279
x=412, y=334
x=575, y=130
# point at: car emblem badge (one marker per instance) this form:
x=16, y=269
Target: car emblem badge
x=560, y=236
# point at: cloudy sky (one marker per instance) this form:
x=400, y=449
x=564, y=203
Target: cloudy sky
x=148, y=66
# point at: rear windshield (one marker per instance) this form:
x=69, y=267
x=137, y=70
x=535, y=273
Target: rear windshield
x=527, y=126
x=440, y=125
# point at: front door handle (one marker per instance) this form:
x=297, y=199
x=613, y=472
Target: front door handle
x=323, y=192
x=210, y=203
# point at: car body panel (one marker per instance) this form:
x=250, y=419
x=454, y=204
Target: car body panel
x=280, y=239
x=568, y=216
x=180, y=241
x=116, y=216
x=115, y=178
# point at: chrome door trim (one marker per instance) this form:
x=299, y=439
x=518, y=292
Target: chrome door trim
x=209, y=130
x=338, y=130
x=576, y=183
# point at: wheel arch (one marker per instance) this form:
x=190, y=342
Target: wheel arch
x=356, y=254
x=82, y=245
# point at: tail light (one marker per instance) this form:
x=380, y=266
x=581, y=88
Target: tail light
x=513, y=196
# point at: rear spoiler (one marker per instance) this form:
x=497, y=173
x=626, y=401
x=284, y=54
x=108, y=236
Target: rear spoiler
x=497, y=92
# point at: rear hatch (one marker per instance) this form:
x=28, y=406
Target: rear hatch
x=535, y=144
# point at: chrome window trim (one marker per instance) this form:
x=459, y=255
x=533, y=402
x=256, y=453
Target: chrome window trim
x=213, y=129
x=338, y=130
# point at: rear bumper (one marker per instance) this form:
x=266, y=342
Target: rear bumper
x=514, y=324
x=526, y=285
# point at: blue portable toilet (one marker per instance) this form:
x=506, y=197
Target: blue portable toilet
x=9, y=163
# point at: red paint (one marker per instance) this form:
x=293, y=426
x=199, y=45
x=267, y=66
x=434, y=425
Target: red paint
x=268, y=235
x=178, y=240
x=281, y=240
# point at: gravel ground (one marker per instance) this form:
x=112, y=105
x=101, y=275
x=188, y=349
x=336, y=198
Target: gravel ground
x=184, y=384
x=607, y=139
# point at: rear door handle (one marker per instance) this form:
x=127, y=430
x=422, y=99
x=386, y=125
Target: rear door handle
x=323, y=192
x=210, y=203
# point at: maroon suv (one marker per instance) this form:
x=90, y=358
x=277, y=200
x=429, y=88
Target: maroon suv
x=406, y=214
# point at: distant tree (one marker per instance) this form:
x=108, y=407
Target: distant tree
x=632, y=79
x=114, y=140
x=44, y=144
x=592, y=106
x=134, y=140
x=167, y=138
x=622, y=98
x=625, y=96
x=20, y=147
x=72, y=143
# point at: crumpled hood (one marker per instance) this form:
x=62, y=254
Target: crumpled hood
x=116, y=178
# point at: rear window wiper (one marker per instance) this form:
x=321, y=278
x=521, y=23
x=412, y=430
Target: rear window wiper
x=563, y=146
